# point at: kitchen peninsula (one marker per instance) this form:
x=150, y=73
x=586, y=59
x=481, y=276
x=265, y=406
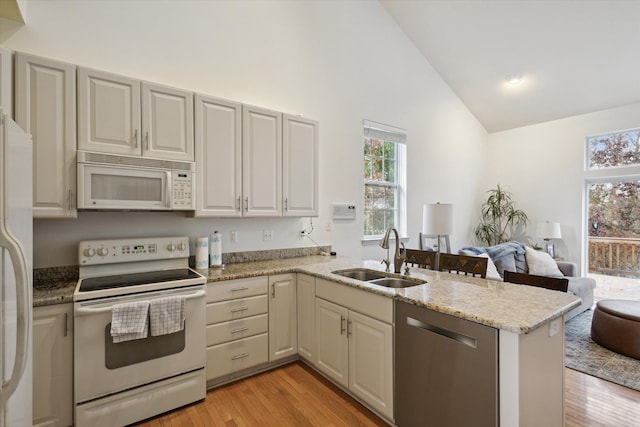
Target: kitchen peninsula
x=528, y=320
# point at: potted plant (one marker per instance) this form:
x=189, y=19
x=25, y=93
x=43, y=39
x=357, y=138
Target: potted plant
x=498, y=217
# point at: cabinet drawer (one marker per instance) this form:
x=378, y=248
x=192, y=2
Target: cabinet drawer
x=236, y=329
x=224, y=359
x=231, y=289
x=236, y=309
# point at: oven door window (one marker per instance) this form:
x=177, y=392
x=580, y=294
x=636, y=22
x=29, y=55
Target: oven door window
x=141, y=350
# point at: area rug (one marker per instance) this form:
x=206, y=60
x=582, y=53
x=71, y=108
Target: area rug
x=584, y=355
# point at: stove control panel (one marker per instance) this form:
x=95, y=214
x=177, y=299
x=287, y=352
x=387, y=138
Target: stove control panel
x=92, y=252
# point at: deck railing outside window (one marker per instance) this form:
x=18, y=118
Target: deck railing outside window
x=614, y=256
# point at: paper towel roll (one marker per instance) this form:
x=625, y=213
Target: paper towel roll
x=215, y=250
x=202, y=252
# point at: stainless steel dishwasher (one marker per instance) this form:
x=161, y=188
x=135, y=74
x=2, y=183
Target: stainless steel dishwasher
x=446, y=370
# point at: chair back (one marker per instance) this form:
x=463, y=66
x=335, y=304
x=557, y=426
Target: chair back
x=469, y=265
x=554, y=283
x=422, y=259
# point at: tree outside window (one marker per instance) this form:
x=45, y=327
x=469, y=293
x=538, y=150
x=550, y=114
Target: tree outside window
x=381, y=186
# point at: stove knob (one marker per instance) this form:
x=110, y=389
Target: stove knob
x=171, y=247
x=103, y=251
x=182, y=247
x=89, y=252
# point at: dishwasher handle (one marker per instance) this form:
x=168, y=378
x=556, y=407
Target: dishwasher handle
x=456, y=336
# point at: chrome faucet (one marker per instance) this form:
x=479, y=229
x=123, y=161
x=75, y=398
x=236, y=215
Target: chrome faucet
x=398, y=259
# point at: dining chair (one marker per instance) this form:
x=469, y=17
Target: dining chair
x=421, y=259
x=554, y=283
x=467, y=264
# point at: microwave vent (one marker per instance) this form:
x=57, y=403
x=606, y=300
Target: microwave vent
x=110, y=159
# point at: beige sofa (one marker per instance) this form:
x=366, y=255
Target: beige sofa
x=511, y=256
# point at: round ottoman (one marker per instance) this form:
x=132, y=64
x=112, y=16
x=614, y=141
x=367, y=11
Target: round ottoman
x=616, y=326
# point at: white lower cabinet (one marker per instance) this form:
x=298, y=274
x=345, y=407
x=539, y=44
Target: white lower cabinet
x=53, y=365
x=354, y=349
x=237, y=325
x=306, y=296
x=283, y=332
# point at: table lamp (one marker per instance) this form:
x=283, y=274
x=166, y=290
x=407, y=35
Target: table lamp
x=549, y=230
x=437, y=220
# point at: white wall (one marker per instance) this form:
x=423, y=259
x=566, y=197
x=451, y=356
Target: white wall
x=336, y=62
x=544, y=167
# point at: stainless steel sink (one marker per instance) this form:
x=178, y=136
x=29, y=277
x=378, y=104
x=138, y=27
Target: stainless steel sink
x=378, y=278
x=395, y=282
x=360, y=274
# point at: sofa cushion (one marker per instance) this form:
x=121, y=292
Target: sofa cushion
x=541, y=264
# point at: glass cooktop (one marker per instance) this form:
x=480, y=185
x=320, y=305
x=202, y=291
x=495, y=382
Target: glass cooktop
x=133, y=279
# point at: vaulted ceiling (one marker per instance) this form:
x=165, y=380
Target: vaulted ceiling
x=575, y=56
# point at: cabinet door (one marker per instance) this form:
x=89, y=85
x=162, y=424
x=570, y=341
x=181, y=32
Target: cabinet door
x=331, y=341
x=300, y=166
x=167, y=122
x=371, y=361
x=53, y=365
x=306, y=289
x=5, y=80
x=218, y=157
x=283, y=332
x=108, y=113
x=262, y=161
x=46, y=108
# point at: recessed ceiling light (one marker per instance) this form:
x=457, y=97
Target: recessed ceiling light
x=514, y=79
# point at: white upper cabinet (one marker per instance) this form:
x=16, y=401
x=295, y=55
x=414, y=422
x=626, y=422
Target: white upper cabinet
x=46, y=108
x=262, y=161
x=5, y=80
x=218, y=134
x=300, y=166
x=108, y=113
x=167, y=122
x=114, y=118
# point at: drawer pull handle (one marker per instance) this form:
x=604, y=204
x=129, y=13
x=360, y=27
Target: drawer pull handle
x=342, y=319
x=240, y=356
x=239, y=289
x=236, y=310
x=237, y=331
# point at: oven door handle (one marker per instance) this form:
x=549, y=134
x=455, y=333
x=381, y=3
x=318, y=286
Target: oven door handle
x=87, y=310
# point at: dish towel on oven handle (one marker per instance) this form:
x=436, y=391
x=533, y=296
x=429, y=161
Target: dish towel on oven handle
x=129, y=321
x=167, y=315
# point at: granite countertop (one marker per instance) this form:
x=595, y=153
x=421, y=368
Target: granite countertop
x=515, y=308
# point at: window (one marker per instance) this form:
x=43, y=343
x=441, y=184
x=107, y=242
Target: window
x=613, y=203
x=614, y=149
x=384, y=179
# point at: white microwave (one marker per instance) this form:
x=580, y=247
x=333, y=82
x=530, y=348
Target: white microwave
x=114, y=182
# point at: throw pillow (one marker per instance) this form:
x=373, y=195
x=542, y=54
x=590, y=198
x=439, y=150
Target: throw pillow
x=541, y=263
x=507, y=262
x=492, y=271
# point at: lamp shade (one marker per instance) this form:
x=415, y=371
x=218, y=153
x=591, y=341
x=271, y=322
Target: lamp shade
x=437, y=219
x=549, y=230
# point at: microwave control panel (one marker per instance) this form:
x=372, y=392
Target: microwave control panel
x=182, y=189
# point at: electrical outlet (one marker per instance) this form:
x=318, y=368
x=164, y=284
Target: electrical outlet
x=267, y=235
x=328, y=226
x=234, y=237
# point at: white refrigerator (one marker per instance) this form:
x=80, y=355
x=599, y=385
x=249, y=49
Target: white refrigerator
x=16, y=255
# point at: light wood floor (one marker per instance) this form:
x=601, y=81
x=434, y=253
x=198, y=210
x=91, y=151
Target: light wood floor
x=295, y=395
